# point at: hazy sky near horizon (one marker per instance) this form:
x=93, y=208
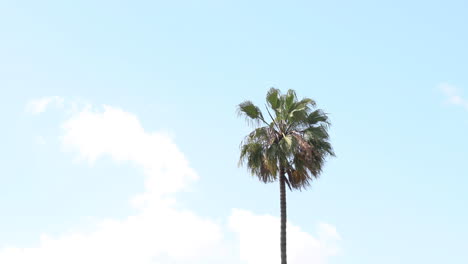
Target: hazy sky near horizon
x=120, y=136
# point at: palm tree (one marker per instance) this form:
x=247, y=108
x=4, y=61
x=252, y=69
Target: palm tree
x=291, y=147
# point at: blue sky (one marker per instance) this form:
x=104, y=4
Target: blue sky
x=163, y=79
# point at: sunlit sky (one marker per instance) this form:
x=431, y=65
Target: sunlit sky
x=120, y=138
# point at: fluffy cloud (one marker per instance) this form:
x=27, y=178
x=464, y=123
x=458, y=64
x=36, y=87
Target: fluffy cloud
x=259, y=237
x=160, y=232
x=38, y=106
x=120, y=135
x=453, y=95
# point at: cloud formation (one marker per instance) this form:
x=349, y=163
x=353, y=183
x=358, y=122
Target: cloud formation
x=37, y=106
x=453, y=95
x=159, y=230
x=259, y=237
x=119, y=134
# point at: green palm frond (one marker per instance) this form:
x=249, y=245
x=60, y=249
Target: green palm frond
x=289, y=99
x=317, y=116
x=273, y=99
x=251, y=112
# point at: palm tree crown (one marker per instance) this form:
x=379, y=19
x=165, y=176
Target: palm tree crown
x=295, y=142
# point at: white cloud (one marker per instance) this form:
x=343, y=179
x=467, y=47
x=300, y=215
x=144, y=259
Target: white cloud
x=160, y=232
x=453, y=95
x=259, y=238
x=120, y=135
x=37, y=106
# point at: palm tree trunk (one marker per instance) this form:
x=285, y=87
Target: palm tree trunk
x=283, y=215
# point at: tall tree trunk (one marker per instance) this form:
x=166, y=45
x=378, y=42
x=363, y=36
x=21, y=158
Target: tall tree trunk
x=283, y=215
